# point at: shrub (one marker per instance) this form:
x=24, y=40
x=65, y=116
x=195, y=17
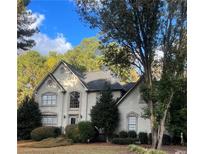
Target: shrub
x=87, y=131
x=28, y=118
x=141, y=150
x=143, y=137
x=72, y=132
x=132, y=134
x=101, y=138
x=123, y=134
x=124, y=141
x=45, y=132
x=138, y=149
x=153, y=151
x=176, y=140
x=166, y=140
x=115, y=135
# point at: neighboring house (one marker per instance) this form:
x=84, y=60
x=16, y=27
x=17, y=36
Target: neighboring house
x=66, y=96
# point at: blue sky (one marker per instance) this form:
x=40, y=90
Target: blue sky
x=60, y=25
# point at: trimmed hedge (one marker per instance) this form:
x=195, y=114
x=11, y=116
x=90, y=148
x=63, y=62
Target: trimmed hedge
x=143, y=138
x=45, y=132
x=166, y=140
x=86, y=130
x=72, y=132
x=123, y=134
x=124, y=141
x=132, y=134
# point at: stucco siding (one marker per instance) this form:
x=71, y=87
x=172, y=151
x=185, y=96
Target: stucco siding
x=92, y=101
x=133, y=104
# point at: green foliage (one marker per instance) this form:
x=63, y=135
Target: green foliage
x=30, y=71
x=143, y=137
x=124, y=141
x=105, y=113
x=132, y=134
x=28, y=118
x=72, y=132
x=141, y=150
x=123, y=134
x=45, y=132
x=87, y=131
x=166, y=140
x=24, y=22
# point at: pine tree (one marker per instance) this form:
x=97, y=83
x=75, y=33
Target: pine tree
x=105, y=113
x=28, y=118
x=25, y=19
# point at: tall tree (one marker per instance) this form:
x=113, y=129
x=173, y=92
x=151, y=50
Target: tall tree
x=28, y=118
x=105, y=113
x=25, y=20
x=132, y=31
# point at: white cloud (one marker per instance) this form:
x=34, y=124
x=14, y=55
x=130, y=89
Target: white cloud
x=39, y=19
x=44, y=44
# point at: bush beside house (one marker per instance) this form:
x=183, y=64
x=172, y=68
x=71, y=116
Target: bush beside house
x=28, y=118
x=45, y=132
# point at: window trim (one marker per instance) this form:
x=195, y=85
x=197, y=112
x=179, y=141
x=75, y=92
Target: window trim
x=79, y=99
x=132, y=114
x=51, y=94
x=49, y=124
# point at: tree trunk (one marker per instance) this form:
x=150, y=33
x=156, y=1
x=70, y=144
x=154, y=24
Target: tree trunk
x=107, y=140
x=162, y=123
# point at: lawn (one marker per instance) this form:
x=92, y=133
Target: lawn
x=97, y=148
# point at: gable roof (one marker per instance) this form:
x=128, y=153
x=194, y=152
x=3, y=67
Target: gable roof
x=91, y=81
x=53, y=78
x=129, y=91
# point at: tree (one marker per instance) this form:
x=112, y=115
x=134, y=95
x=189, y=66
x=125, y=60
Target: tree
x=105, y=113
x=132, y=31
x=178, y=112
x=31, y=70
x=28, y=118
x=25, y=20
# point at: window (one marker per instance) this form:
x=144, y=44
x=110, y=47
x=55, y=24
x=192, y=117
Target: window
x=74, y=99
x=132, y=123
x=49, y=99
x=49, y=120
x=49, y=82
x=72, y=121
x=62, y=70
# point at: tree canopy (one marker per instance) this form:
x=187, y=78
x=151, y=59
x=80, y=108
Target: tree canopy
x=132, y=33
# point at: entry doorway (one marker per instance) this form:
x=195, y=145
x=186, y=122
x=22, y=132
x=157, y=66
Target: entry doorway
x=73, y=119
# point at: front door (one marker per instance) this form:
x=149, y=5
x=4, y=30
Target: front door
x=73, y=119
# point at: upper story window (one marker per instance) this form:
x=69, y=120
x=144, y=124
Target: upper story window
x=49, y=99
x=74, y=99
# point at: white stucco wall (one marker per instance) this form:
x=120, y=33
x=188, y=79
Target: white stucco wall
x=71, y=83
x=133, y=103
x=92, y=100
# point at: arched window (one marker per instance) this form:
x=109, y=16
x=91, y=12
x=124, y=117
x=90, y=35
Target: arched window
x=49, y=99
x=132, y=121
x=74, y=99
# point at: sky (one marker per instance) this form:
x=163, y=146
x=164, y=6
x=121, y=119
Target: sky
x=60, y=26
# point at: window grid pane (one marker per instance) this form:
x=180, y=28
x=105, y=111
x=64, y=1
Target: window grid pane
x=132, y=123
x=49, y=120
x=74, y=99
x=49, y=99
